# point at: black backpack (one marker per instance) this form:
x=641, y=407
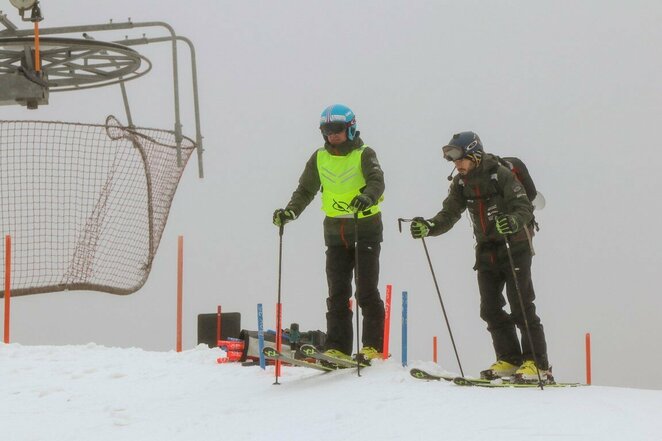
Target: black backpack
x=518, y=168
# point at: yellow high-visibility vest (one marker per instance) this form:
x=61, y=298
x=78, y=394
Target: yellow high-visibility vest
x=342, y=179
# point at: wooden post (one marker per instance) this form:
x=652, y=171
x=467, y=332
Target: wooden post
x=180, y=285
x=588, y=358
x=7, y=286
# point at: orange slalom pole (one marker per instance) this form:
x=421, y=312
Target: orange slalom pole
x=588, y=358
x=7, y=286
x=387, y=321
x=180, y=293
x=37, y=56
x=434, y=348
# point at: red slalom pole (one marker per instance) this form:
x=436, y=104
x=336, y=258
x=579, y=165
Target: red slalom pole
x=279, y=335
x=434, y=348
x=387, y=321
x=588, y=358
x=7, y=286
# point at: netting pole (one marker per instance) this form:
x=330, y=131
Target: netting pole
x=180, y=294
x=7, y=285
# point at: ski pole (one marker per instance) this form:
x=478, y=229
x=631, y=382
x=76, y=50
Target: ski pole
x=356, y=285
x=436, y=285
x=521, y=305
x=279, y=311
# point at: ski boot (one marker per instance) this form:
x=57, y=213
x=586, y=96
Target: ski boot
x=499, y=369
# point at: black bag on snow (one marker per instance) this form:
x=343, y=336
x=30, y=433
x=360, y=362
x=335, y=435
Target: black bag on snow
x=292, y=339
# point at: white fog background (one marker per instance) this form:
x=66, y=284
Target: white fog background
x=571, y=87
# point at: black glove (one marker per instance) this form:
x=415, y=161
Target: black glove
x=283, y=216
x=420, y=227
x=506, y=224
x=360, y=203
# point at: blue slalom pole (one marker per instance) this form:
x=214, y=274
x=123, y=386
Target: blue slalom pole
x=404, y=328
x=260, y=335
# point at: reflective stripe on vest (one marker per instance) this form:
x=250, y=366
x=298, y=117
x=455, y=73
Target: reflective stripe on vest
x=342, y=179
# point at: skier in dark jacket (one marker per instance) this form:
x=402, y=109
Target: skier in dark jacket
x=348, y=174
x=498, y=207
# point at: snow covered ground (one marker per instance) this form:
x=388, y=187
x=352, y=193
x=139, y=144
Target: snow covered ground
x=97, y=393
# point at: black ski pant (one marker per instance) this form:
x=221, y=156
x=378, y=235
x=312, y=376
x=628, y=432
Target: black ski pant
x=339, y=275
x=501, y=324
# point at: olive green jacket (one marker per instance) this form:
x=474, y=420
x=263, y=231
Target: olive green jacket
x=487, y=191
x=340, y=231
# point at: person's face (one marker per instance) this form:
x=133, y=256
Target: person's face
x=335, y=132
x=337, y=138
x=464, y=166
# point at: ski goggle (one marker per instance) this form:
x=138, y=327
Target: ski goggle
x=452, y=153
x=333, y=127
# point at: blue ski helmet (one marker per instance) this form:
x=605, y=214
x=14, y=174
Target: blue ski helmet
x=464, y=145
x=336, y=118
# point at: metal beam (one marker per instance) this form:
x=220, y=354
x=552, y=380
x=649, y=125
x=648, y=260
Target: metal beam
x=13, y=32
x=7, y=23
x=194, y=76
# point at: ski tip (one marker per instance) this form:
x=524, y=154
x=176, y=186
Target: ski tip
x=308, y=350
x=270, y=352
x=423, y=375
x=461, y=381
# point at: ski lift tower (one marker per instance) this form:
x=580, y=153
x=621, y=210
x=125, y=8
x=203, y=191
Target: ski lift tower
x=35, y=62
x=85, y=204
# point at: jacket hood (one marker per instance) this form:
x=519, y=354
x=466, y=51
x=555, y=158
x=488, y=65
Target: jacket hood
x=487, y=163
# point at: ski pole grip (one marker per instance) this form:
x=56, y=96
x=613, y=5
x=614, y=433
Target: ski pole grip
x=400, y=221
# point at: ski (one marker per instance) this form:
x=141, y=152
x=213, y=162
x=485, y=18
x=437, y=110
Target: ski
x=312, y=352
x=501, y=383
x=273, y=354
x=424, y=375
x=482, y=382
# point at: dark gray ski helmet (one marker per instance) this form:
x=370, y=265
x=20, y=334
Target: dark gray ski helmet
x=463, y=145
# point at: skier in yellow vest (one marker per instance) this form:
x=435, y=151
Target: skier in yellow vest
x=348, y=174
